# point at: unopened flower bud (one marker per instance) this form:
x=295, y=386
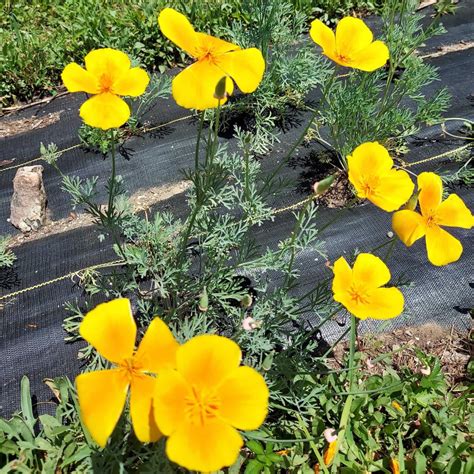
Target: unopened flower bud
x=220, y=92
x=412, y=202
x=322, y=186
x=246, y=301
x=204, y=301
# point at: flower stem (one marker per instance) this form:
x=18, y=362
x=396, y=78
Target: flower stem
x=110, y=207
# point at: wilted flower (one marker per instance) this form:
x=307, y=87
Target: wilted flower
x=111, y=329
x=442, y=247
x=203, y=403
x=352, y=45
x=371, y=172
x=330, y=435
x=107, y=76
x=395, y=466
x=359, y=289
x=330, y=452
x=195, y=87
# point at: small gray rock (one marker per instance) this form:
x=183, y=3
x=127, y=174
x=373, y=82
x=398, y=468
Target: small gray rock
x=28, y=205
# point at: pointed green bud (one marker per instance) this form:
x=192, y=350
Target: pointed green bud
x=204, y=301
x=268, y=361
x=322, y=186
x=220, y=92
x=412, y=202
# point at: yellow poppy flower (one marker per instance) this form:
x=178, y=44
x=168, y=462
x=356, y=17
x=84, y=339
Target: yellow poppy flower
x=352, y=45
x=359, y=289
x=371, y=172
x=410, y=226
x=107, y=76
x=195, y=86
x=111, y=329
x=330, y=453
x=202, y=403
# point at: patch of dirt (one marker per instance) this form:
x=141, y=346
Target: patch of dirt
x=454, y=350
x=450, y=48
x=9, y=128
x=141, y=202
x=339, y=195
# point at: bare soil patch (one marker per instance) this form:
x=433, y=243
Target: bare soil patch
x=9, y=128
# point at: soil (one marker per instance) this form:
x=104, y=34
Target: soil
x=9, y=128
x=454, y=350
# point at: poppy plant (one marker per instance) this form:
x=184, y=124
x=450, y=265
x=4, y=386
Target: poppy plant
x=359, y=289
x=202, y=403
x=107, y=76
x=111, y=330
x=194, y=87
x=409, y=225
x=352, y=45
x=371, y=172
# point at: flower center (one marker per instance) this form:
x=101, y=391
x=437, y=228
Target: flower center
x=201, y=406
x=358, y=295
x=343, y=59
x=369, y=186
x=131, y=368
x=105, y=83
x=431, y=220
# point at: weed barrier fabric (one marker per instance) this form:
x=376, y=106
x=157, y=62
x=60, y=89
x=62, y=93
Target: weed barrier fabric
x=32, y=338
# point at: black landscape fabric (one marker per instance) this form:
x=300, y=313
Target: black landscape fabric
x=32, y=338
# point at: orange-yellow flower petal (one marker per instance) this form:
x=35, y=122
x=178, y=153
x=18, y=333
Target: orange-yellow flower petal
x=372, y=57
x=141, y=409
x=342, y=276
x=206, y=447
x=157, y=350
x=177, y=28
x=132, y=83
x=205, y=361
x=323, y=36
x=370, y=270
x=368, y=159
x=111, y=329
x=207, y=44
x=102, y=397
x=77, y=79
x=385, y=303
x=392, y=191
x=107, y=61
x=194, y=87
x=352, y=36
x=431, y=192
x=169, y=401
x=441, y=246
x=245, y=67
x=243, y=397
x=105, y=111
x=409, y=226
x=453, y=212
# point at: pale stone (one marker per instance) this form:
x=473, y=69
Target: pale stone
x=28, y=206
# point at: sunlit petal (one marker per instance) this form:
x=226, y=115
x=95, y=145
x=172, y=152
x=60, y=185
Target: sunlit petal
x=243, y=399
x=102, y=397
x=245, y=66
x=210, y=44
x=132, y=83
x=157, y=350
x=441, y=246
x=371, y=58
x=110, y=62
x=393, y=190
x=323, y=36
x=204, y=448
x=77, y=79
x=431, y=192
x=105, y=111
x=177, y=28
x=169, y=401
x=409, y=226
x=454, y=213
x=194, y=87
x=111, y=329
x=385, y=303
x=205, y=361
x=141, y=408
x=352, y=36
x=342, y=276
x=370, y=270
x=368, y=159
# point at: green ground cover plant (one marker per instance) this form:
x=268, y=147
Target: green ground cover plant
x=205, y=272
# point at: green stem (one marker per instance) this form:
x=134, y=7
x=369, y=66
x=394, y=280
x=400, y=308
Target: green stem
x=303, y=427
x=110, y=208
x=198, y=142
